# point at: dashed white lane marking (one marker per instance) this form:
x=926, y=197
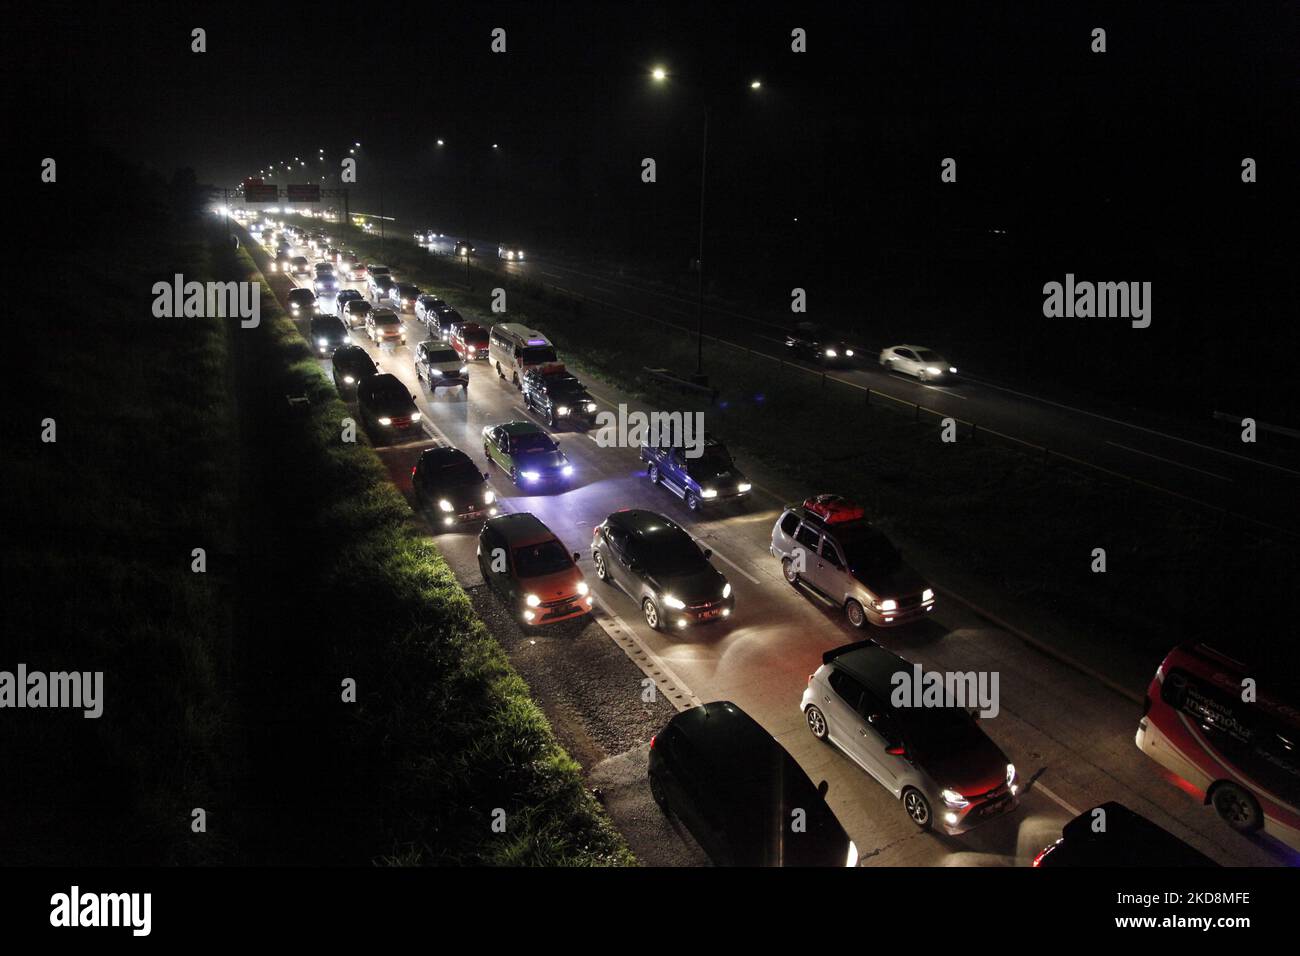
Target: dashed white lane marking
x=1068, y=808
x=1168, y=461
x=750, y=577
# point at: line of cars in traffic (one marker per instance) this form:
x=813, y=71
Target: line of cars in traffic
x=936, y=761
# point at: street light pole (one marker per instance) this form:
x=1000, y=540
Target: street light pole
x=700, y=377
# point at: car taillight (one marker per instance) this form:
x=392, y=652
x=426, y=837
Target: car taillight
x=652, y=742
x=413, y=472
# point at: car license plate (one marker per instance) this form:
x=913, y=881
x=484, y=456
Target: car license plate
x=994, y=806
x=706, y=615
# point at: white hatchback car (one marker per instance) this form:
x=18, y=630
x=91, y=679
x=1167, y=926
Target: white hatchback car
x=926, y=364
x=936, y=760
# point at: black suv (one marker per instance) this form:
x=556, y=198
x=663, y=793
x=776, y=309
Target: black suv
x=736, y=790
x=352, y=366
x=328, y=333
x=387, y=409
x=447, y=483
x=662, y=568
x=302, y=301
x=558, y=397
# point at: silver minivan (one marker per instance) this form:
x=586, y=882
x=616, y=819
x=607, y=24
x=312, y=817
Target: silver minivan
x=851, y=564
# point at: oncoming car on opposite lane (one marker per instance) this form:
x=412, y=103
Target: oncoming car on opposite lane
x=924, y=364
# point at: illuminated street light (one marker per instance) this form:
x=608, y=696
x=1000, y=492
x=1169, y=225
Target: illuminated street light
x=755, y=85
x=441, y=143
x=660, y=74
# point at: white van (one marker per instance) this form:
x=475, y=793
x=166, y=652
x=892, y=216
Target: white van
x=514, y=348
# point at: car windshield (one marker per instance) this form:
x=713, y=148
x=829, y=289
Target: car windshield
x=532, y=443
x=441, y=355
x=549, y=557
x=539, y=355
x=356, y=305
x=391, y=393
x=668, y=551
x=386, y=318
x=459, y=471
x=714, y=461
x=866, y=548
x=474, y=335
x=925, y=355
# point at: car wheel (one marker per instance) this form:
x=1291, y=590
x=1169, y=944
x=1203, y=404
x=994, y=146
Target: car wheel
x=651, y=612
x=550, y=418
x=490, y=462
x=816, y=722
x=514, y=380
x=500, y=374
x=917, y=807
x=653, y=474
x=788, y=571
x=921, y=376
x=602, y=572
x=657, y=792
x=1237, y=807
x=857, y=616
x=692, y=501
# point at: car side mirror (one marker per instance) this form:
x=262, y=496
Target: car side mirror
x=708, y=553
x=485, y=476
x=823, y=788
x=412, y=396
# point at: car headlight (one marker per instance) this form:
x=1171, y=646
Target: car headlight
x=744, y=486
x=385, y=420
x=531, y=475
x=415, y=416
x=464, y=370
x=532, y=600
x=674, y=603
x=848, y=352
x=1011, y=774
x=831, y=353
x=322, y=342
x=489, y=497
x=562, y=410
x=708, y=492
x=436, y=371
x=583, y=589
x=726, y=590
x=444, y=504
x=853, y=855
x=954, y=799
x=888, y=604
x=349, y=380
x=953, y=369
x=927, y=595
x=590, y=406
x=567, y=470
x=933, y=371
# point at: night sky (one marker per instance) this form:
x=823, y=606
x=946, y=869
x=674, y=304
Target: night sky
x=1115, y=166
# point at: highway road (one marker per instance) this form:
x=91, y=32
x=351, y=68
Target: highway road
x=1070, y=736
x=1206, y=462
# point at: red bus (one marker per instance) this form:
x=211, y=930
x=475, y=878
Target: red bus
x=1239, y=751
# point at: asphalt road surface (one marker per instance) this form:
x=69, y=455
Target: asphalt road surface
x=1070, y=736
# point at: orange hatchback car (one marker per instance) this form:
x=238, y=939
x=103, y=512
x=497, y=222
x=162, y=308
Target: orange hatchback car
x=524, y=562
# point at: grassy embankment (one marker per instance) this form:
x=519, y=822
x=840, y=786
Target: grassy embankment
x=444, y=732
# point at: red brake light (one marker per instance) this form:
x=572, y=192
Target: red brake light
x=413, y=467
x=652, y=742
